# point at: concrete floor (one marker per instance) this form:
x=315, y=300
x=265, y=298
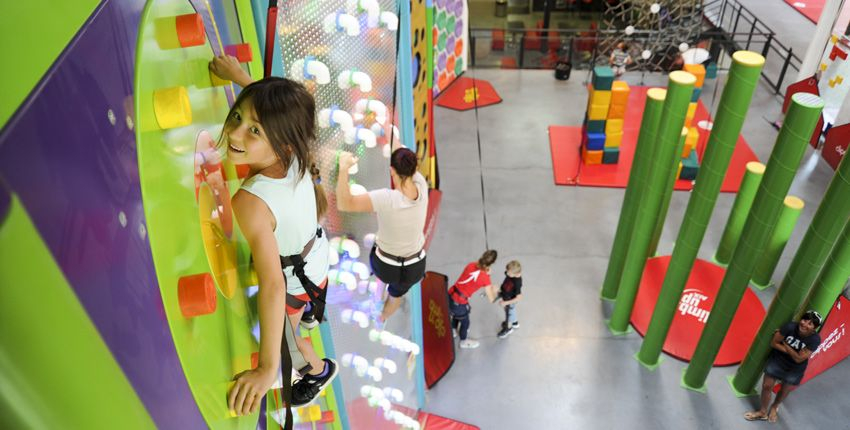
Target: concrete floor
x=563, y=369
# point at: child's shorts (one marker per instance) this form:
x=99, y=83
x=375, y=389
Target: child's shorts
x=304, y=298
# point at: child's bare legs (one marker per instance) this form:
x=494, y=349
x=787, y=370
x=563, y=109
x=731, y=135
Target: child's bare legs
x=390, y=306
x=773, y=415
x=766, y=394
x=304, y=346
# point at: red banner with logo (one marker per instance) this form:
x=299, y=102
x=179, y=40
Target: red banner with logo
x=835, y=345
x=438, y=346
x=434, y=198
x=837, y=140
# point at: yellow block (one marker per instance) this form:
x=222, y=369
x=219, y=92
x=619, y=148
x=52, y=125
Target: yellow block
x=698, y=70
x=693, y=137
x=613, y=140
x=613, y=126
x=315, y=413
x=597, y=112
x=692, y=110
x=591, y=157
x=303, y=414
x=599, y=97
x=616, y=112
x=619, y=93
x=216, y=81
x=679, y=171
x=172, y=108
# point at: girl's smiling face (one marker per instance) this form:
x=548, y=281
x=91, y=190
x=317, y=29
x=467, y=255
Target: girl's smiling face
x=247, y=142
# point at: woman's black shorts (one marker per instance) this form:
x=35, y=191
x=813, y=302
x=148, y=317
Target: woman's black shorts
x=399, y=278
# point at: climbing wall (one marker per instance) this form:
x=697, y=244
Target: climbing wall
x=834, y=83
x=450, y=44
x=345, y=53
x=420, y=39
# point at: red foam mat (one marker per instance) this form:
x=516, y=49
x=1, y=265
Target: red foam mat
x=468, y=93
x=811, y=9
x=694, y=309
x=565, y=145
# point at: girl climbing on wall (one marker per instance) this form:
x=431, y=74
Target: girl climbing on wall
x=271, y=128
x=398, y=257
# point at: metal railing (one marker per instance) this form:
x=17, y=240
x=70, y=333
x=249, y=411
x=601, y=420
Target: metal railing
x=729, y=27
x=731, y=17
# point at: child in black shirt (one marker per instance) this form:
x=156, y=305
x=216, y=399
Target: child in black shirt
x=509, y=294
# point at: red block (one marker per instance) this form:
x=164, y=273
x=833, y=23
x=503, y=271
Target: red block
x=837, y=52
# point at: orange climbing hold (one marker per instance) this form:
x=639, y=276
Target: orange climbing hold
x=190, y=30
x=196, y=295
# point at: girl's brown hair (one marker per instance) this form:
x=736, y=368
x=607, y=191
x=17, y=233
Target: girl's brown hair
x=287, y=113
x=487, y=258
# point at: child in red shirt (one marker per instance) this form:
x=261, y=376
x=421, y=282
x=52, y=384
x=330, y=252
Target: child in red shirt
x=476, y=275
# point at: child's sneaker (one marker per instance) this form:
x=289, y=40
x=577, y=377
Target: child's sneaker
x=308, y=388
x=505, y=332
x=515, y=324
x=469, y=344
x=454, y=333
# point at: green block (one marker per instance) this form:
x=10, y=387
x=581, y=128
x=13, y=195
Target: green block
x=603, y=78
x=596, y=126
x=610, y=155
x=690, y=167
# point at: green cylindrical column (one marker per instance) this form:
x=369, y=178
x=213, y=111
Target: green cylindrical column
x=634, y=189
x=740, y=210
x=679, y=88
x=819, y=239
x=668, y=194
x=803, y=115
x=734, y=103
x=784, y=227
x=833, y=277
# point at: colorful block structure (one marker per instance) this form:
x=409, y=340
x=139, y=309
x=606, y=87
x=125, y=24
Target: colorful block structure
x=690, y=158
x=603, y=124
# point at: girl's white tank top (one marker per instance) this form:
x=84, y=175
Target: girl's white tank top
x=293, y=204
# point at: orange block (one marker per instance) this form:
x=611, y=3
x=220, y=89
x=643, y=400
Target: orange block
x=591, y=157
x=697, y=70
x=686, y=150
x=619, y=93
x=616, y=112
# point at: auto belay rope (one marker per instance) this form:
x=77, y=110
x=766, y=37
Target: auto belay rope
x=480, y=162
